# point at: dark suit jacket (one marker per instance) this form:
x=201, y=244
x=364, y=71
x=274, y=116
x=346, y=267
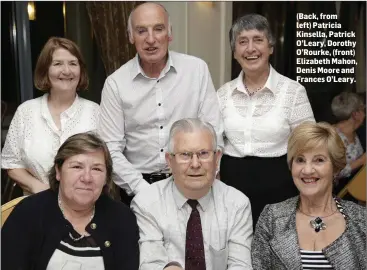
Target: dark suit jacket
x=36, y=226
x=275, y=243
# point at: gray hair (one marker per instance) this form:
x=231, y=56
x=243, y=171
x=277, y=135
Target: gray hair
x=250, y=22
x=129, y=21
x=190, y=125
x=344, y=104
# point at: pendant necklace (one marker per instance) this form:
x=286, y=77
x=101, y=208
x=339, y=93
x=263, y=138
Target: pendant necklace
x=70, y=234
x=317, y=223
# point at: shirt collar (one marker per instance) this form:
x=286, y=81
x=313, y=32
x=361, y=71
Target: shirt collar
x=136, y=69
x=270, y=84
x=70, y=112
x=180, y=199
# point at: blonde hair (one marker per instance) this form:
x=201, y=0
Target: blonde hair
x=310, y=135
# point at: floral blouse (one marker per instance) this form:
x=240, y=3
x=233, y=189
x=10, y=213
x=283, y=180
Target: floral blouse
x=353, y=152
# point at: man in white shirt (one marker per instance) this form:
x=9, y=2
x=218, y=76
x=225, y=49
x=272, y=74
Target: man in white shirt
x=192, y=220
x=142, y=99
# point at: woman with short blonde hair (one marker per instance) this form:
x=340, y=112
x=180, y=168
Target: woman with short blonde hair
x=314, y=230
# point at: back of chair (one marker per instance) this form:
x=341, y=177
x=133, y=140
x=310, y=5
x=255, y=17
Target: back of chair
x=357, y=186
x=8, y=207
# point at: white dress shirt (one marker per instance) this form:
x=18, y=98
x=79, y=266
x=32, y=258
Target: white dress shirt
x=261, y=124
x=162, y=213
x=137, y=113
x=33, y=138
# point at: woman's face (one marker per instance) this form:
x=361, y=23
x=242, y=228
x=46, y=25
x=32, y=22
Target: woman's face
x=82, y=178
x=252, y=51
x=64, y=71
x=312, y=172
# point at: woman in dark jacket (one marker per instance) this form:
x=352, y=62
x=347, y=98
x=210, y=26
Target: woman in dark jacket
x=74, y=224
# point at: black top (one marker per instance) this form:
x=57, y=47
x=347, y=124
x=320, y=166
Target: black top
x=35, y=228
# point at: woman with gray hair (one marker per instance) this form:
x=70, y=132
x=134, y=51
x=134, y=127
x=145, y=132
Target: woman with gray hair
x=260, y=108
x=349, y=111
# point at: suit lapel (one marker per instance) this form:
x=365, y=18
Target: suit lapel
x=285, y=242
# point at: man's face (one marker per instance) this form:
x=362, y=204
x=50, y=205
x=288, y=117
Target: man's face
x=150, y=33
x=195, y=176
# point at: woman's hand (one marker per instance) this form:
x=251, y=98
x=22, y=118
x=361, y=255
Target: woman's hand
x=359, y=162
x=39, y=186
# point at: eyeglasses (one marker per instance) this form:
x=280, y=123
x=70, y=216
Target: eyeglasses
x=186, y=157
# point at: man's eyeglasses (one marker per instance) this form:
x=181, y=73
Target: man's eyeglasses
x=186, y=157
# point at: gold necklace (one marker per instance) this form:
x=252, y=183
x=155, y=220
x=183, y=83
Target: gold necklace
x=62, y=211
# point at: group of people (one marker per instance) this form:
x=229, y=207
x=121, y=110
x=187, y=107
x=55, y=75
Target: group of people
x=239, y=178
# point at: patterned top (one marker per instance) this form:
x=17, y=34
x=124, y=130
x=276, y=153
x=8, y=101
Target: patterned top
x=84, y=254
x=353, y=152
x=312, y=260
x=33, y=138
x=275, y=244
x=317, y=259
x=259, y=125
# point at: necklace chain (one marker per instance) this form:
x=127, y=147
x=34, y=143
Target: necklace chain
x=252, y=93
x=317, y=223
x=70, y=234
x=318, y=216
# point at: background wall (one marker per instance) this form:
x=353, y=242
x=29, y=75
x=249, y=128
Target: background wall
x=201, y=29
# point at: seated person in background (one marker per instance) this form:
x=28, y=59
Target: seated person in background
x=42, y=124
x=191, y=220
x=313, y=230
x=349, y=110
x=74, y=224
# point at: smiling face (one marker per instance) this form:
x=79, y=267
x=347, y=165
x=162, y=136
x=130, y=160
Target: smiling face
x=82, y=178
x=150, y=33
x=312, y=172
x=64, y=71
x=252, y=51
x=194, y=178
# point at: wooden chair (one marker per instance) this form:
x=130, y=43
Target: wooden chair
x=8, y=207
x=356, y=187
x=11, y=189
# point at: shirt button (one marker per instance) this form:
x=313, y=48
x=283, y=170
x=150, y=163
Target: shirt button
x=93, y=226
x=161, y=127
x=158, y=81
x=159, y=104
x=161, y=150
x=107, y=244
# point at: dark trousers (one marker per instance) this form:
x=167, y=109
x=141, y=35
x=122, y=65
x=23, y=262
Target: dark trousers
x=263, y=180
